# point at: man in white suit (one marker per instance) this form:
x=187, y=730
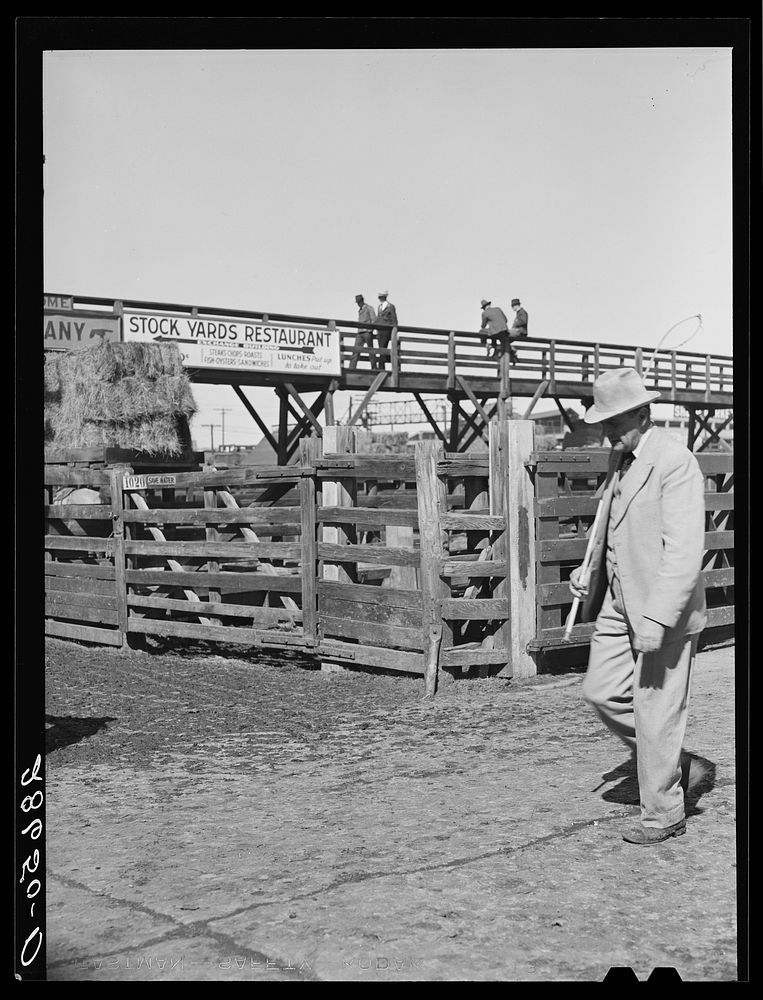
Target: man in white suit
x=646, y=595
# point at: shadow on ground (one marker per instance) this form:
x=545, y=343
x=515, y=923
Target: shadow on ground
x=698, y=780
x=62, y=731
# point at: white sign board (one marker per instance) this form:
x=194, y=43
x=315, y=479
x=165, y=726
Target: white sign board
x=72, y=331
x=240, y=345
x=147, y=482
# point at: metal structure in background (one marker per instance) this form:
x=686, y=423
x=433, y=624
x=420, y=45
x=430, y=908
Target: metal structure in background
x=450, y=365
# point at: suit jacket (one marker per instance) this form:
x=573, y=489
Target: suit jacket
x=659, y=539
x=494, y=318
x=366, y=314
x=387, y=314
x=519, y=326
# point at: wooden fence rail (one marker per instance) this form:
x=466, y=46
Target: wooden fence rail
x=421, y=563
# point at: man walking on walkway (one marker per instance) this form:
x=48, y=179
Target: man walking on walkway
x=387, y=315
x=646, y=595
x=365, y=335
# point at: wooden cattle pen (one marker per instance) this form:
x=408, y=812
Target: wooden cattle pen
x=430, y=563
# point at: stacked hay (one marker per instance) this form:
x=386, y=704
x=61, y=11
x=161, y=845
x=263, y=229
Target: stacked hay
x=127, y=395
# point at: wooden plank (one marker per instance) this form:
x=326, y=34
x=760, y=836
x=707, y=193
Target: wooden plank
x=566, y=506
x=715, y=464
x=308, y=412
x=719, y=540
x=260, y=615
x=83, y=633
x=372, y=633
x=216, y=550
x=369, y=517
x=212, y=633
x=260, y=516
x=79, y=585
x=474, y=568
x=521, y=545
x=225, y=582
x=79, y=543
x=55, y=609
x=432, y=502
x=720, y=616
x=718, y=577
x=362, y=611
x=555, y=636
x=467, y=521
x=378, y=379
x=377, y=555
x=551, y=551
x=80, y=599
x=91, y=571
x=366, y=467
x=470, y=655
x=484, y=609
x=403, y=661
x=78, y=511
x=308, y=452
x=61, y=476
x=368, y=594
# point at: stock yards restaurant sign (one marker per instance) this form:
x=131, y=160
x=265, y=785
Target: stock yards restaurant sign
x=242, y=345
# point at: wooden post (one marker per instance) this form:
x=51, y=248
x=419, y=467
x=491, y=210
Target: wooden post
x=394, y=358
x=283, y=415
x=639, y=360
x=212, y=535
x=118, y=527
x=521, y=553
x=308, y=452
x=505, y=388
x=498, y=492
x=432, y=499
x=451, y=381
x=552, y=366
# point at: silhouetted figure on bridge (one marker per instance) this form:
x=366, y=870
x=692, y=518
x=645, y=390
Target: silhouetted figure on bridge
x=365, y=335
x=497, y=325
x=387, y=314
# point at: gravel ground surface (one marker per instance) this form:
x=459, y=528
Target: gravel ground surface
x=220, y=817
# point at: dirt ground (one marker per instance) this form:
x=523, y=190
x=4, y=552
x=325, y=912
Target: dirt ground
x=235, y=817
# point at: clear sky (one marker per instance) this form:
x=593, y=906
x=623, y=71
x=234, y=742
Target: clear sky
x=594, y=184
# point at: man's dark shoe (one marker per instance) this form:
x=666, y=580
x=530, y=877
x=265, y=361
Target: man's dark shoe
x=648, y=835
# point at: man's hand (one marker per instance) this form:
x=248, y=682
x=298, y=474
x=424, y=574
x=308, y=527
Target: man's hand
x=649, y=637
x=578, y=589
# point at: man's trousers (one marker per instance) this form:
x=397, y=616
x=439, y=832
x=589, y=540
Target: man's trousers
x=643, y=698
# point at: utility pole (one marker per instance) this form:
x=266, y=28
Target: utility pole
x=211, y=434
x=223, y=411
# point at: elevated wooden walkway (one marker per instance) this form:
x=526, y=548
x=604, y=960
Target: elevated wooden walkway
x=454, y=364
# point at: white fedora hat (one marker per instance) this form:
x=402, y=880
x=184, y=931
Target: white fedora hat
x=618, y=391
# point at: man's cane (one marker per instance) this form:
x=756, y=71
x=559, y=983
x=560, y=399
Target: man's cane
x=584, y=572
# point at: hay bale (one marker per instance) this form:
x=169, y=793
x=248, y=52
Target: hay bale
x=130, y=395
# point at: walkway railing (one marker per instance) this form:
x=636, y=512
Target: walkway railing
x=425, y=352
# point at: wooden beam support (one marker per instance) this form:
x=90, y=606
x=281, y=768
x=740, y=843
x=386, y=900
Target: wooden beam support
x=538, y=393
x=476, y=403
x=367, y=398
x=425, y=410
x=256, y=417
x=563, y=412
x=304, y=407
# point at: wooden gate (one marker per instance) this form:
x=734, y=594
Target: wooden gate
x=565, y=505
x=414, y=562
